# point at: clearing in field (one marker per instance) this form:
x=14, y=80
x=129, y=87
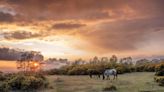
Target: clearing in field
x=131, y=82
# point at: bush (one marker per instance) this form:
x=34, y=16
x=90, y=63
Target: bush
x=4, y=87
x=159, y=69
x=2, y=77
x=149, y=67
x=160, y=80
x=110, y=88
x=120, y=70
x=160, y=73
x=32, y=83
x=140, y=68
x=23, y=82
x=52, y=71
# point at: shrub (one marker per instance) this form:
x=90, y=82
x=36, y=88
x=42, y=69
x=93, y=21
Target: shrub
x=23, y=82
x=16, y=82
x=160, y=73
x=52, y=71
x=2, y=77
x=32, y=83
x=78, y=70
x=4, y=87
x=160, y=80
x=110, y=88
x=140, y=68
x=120, y=70
x=159, y=69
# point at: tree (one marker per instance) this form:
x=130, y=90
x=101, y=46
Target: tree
x=29, y=61
x=126, y=61
x=113, y=59
x=142, y=62
x=78, y=62
x=104, y=60
x=95, y=60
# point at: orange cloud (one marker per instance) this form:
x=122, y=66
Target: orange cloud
x=88, y=27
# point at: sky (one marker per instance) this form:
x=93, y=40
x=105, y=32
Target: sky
x=84, y=28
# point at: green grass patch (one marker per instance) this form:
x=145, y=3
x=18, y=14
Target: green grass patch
x=130, y=82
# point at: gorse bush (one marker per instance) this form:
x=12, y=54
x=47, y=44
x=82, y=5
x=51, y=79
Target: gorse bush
x=23, y=82
x=159, y=80
x=4, y=87
x=160, y=74
x=32, y=82
x=16, y=82
x=160, y=69
x=2, y=77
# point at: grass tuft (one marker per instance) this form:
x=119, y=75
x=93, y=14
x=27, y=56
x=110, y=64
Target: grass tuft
x=110, y=88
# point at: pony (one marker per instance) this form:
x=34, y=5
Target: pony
x=109, y=72
x=94, y=72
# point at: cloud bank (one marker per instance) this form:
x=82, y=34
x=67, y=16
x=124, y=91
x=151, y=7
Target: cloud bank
x=101, y=27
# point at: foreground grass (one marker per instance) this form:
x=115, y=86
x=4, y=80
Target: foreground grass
x=132, y=82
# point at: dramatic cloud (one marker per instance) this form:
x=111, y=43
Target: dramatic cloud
x=19, y=35
x=9, y=54
x=124, y=35
x=67, y=26
x=7, y=14
x=66, y=9
x=6, y=17
x=98, y=26
x=30, y=10
x=15, y=54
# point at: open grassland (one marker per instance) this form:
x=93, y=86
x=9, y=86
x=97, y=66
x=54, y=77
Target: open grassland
x=130, y=82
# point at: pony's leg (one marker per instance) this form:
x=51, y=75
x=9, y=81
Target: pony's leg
x=108, y=78
x=103, y=77
x=98, y=75
x=114, y=77
x=90, y=75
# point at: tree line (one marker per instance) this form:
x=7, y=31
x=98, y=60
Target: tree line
x=99, y=65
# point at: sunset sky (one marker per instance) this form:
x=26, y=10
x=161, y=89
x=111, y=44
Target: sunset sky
x=84, y=28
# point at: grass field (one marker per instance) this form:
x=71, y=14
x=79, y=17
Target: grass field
x=132, y=82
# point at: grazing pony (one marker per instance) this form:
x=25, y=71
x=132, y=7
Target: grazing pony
x=109, y=72
x=94, y=72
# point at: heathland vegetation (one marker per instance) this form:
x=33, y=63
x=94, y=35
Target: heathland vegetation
x=32, y=77
x=125, y=65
